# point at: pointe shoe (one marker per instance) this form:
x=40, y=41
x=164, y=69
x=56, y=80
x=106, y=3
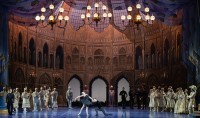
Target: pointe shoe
x=79, y=114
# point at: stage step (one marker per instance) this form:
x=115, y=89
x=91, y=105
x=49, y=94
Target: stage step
x=196, y=113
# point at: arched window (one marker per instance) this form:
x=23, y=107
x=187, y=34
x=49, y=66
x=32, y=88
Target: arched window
x=146, y=61
x=59, y=57
x=115, y=61
x=179, y=52
x=122, y=56
x=75, y=56
x=68, y=60
x=82, y=60
x=107, y=61
x=159, y=62
x=32, y=52
x=20, y=47
x=153, y=56
x=51, y=61
x=39, y=59
x=166, y=53
x=138, y=58
x=90, y=61
x=98, y=57
x=45, y=55
x=25, y=61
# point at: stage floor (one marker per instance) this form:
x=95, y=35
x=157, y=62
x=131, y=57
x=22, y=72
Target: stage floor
x=117, y=112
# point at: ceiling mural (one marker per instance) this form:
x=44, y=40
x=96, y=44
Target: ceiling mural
x=23, y=12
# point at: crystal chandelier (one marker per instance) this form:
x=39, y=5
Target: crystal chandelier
x=138, y=17
x=52, y=18
x=99, y=13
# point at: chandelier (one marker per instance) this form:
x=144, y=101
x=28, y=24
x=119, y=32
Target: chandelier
x=99, y=13
x=138, y=18
x=52, y=18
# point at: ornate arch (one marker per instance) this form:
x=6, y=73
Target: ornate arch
x=45, y=79
x=99, y=52
x=58, y=84
x=153, y=55
x=18, y=80
x=120, y=76
x=122, y=51
x=138, y=55
x=79, y=79
x=75, y=51
x=59, y=57
x=98, y=57
x=75, y=56
x=32, y=52
x=45, y=55
x=106, y=82
x=152, y=80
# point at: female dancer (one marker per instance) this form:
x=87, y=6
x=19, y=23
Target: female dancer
x=86, y=100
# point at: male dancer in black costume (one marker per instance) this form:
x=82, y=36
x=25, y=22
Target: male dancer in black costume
x=99, y=107
x=123, y=94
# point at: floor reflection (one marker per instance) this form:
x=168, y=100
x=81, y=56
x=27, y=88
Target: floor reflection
x=117, y=112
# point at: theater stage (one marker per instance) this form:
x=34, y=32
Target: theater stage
x=116, y=112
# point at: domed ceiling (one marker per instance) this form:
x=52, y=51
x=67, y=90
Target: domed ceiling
x=23, y=12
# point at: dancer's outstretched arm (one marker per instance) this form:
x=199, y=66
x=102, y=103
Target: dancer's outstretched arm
x=79, y=97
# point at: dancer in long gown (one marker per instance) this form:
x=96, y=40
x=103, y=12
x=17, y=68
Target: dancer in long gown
x=151, y=97
x=157, y=99
x=177, y=103
x=111, y=96
x=86, y=100
x=25, y=98
x=180, y=102
x=54, y=96
x=170, y=99
x=191, y=98
x=16, y=101
x=162, y=103
x=184, y=102
x=41, y=98
x=35, y=96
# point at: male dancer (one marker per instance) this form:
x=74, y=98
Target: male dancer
x=123, y=94
x=99, y=107
x=69, y=96
x=10, y=101
x=16, y=101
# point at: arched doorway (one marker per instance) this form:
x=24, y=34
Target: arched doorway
x=45, y=79
x=59, y=57
x=122, y=82
x=99, y=89
x=152, y=81
x=45, y=55
x=18, y=81
x=138, y=58
x=76, y=85
x=32, y=52
x=58, y=84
